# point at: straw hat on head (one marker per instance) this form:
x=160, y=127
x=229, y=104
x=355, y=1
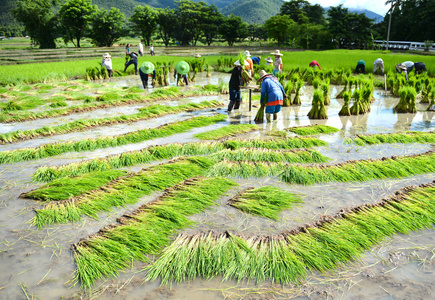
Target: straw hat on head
x=247, y=54
x=237, y=63
x=269, y=60
x=262, y=75
x=403, y=67
x=277, y=53
x=106, y=55
x=197, y=55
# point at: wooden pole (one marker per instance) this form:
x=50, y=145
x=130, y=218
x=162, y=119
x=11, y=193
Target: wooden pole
x=250, y=95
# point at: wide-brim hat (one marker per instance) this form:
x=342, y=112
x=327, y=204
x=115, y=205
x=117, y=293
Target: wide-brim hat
x=237, y=63
x=247, y=54
x=262, y=75
x=269, y=60
x=106, y=55
x=277, y=53
x=403, y=67
x=147, y=67
x=197, y=55
x=182, y=67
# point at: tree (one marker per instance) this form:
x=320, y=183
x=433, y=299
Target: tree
x=394, y=4
x=166, y=24
x=211, y=20
x=39, y=20
x=189, y=17
x=107, y=27
x=144, y=22
x=75, y=17
x=233, y=28
x=279, y=28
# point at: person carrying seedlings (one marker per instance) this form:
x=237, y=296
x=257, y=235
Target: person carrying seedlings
x=378, y=64
x=181, y=70
x=140, y=48
x=278, y=62
x=250, y=67
x=234, y=84
x=268, y=61
x=273, y=92
x=133, y=60
x=408, y=67
x=315, y=64
x=420, y=67
x=146, y=70
x=107, y=63
x=360, y=67
x=256, y=60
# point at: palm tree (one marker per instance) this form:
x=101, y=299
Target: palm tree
x=394, y=4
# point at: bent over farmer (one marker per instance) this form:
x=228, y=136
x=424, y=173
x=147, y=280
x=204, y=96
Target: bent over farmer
x=273, y=92
x=236, y=81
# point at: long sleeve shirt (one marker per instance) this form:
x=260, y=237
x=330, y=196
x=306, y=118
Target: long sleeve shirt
x=278, y=63
x=273, y=89
x=236, y=79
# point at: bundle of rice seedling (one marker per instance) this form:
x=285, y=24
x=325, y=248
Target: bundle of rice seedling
x=316, y=82
x=266, y=201
x=431, y=96
x=346, y=82
x=325, y=90
x=313, y=129
x=287, y=143
x=259, y=117
x=407, y=103
x=227, y=131
x=356, y=109
x=318, y=110
x=297, y=98
x=425, y=93
x=404, y=138
x=345, y=111
x=288, y=89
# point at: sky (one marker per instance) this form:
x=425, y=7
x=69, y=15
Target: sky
x=377, y=6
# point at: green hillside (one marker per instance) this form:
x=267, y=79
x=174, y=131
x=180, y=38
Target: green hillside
x=125, y=6
x=253, y=11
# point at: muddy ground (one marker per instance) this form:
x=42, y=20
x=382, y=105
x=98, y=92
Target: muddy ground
x=39, y=264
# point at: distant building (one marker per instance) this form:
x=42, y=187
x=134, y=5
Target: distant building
x=398, y=45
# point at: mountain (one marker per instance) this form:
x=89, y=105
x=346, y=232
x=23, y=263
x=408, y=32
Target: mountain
x=253, y=11
x=369, y=14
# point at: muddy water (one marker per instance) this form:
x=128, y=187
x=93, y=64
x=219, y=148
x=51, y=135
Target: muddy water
x=40, y=262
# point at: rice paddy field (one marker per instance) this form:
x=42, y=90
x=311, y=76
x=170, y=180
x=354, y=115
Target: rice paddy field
x=111, y=191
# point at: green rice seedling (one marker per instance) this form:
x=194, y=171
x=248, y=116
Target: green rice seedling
x=341, y=94
x=316, y=82
x=253, y=154
x=147, y=230
x=313, y=129
x=325, y=90
x=288, y=89
x=277, y=133
x=318, y=110
x=345, y=110
x=356, y=108
x=407, y=103
x=66, y=188
x=425, y=93
x=288, y=143
x=259, y=117
x=404, y=138
x=58, y=104
x=49, y=150
x=431, y=106
x=266, y=201
x=297, y=99
x=11, y=106
x=227, y=131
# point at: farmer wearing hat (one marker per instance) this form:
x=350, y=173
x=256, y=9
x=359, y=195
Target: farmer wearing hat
x=268, y=61
x=273, y=92
x=405, y=67
x=360, y=67
x=236, y=81
x=249, y=68
x=315, y=64
x=181, y=70
x=146, y=70
x=197, y=55
x=278, y=62
x=378, y=64
x=107, y=63
x=256, y=60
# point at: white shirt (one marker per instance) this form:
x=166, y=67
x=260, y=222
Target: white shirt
x=379, y=61
x=140, y=47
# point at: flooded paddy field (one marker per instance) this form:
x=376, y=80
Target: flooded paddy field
x=41, y=262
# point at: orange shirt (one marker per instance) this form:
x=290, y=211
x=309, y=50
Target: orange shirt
x=251, y=65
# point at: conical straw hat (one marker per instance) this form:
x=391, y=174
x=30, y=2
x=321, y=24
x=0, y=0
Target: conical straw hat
x=147, y=67
x=182, y=67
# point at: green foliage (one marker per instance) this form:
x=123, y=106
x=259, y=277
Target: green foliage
x=107, y=27
x=280, y=28
x=232, y=29
x=144, y=22
x=226, y=131
x=253, y=12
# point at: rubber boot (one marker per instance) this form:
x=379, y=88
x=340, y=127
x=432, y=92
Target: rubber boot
x=268, y=117
x=275, y=116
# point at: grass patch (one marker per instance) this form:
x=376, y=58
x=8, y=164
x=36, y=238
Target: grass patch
x=353, y=171
x=313, y=129
x=46, y=174
x=123, y=191
x=391, y=138
x=65, y=188
x=288, y=257
x=49, y=150
x=79, y=125
x=146, y=231
x=265, y=202
x=227, y=131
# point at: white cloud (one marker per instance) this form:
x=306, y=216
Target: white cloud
x=377, y=6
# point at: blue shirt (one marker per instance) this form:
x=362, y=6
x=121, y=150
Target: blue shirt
x=255, y=60
x=273, y=89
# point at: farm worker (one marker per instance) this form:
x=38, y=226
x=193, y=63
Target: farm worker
x=133, y=60
x=420, y=67
x=127, y=49
x=360, y=66
x=256, y=60
x=152, y=53
x=181, y=70
x=269, y=61
x=107, y=63
x=407, y=64
x=197, y=55
x=249, y=68
x=278, y=62
x=315, y=64
x=402, y=68
x=146, y=70
x=140, y=48
x=234, y=86
x=273, y=90
x=378, y=64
